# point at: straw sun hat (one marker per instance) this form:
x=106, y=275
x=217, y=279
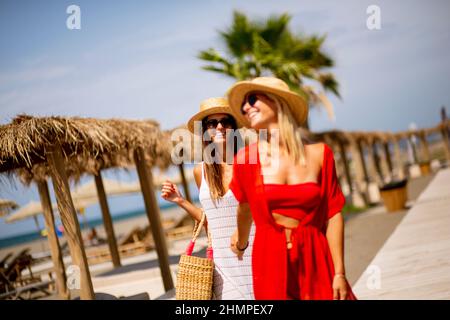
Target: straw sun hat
x=296, y=103
x=212, y=106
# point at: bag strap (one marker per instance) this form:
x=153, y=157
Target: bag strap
x=198, y=226
x=195, y=233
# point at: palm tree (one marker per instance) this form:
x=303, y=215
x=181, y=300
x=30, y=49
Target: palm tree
x=269, y=48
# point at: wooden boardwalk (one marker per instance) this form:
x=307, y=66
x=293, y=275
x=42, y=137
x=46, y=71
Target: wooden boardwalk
x=414, y=263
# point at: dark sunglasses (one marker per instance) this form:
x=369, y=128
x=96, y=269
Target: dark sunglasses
x=213, y=123
x=251, y=99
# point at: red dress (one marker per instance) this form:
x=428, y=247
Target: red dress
x=308, y=266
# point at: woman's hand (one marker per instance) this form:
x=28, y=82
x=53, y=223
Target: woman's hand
x=340, y=287
x=234, y=245
x=170, y=192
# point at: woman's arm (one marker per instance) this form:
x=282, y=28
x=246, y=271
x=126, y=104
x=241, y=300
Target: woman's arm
x=171, y=193
x=335, y=237
x=239, y=240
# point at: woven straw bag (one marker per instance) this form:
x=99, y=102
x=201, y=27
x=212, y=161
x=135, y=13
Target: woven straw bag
x=195, y=274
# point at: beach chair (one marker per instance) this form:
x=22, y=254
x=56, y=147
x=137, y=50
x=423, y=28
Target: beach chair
x=138, y=241
x=8, y=268
x=13, y=273
x=18, y=293
x=11, y=276
x=134, y=235
x=6, y=285
x=181, y=229
x=4, y=261
x=179, y=233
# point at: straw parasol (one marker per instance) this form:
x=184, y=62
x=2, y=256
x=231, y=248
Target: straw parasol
x=36, y=149
x=88, y=145
x=115, y=188
x=112, y=187
x=6, y=206
x=34, y=209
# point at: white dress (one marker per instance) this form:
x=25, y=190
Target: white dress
x=232, y=277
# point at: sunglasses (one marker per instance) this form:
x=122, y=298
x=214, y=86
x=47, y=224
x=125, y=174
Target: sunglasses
x=251, y=99
x=213, y=123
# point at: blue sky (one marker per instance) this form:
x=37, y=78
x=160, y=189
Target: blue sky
x=136, y=60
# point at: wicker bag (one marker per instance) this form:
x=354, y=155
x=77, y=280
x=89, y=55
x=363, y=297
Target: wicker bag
x=195, y=274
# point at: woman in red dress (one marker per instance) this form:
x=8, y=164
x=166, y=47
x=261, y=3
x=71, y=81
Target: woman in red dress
x=293, y=195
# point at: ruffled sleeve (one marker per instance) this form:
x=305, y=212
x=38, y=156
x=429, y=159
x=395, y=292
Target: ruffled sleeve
x=334, y=195
x=237, y=182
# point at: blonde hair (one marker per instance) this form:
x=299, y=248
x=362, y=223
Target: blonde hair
x=290, y=135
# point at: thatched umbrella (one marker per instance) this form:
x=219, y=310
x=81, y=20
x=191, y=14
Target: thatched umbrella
x=6, y=206
x=112, y=187
x=34, y=209
x=88, y=145
x=115, y=188
x=59, y=147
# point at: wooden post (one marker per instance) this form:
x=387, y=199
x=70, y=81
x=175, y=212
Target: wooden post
x=107, y=221
x=398, y=159
x=413, y=146
x=152, y=209
x=378, y=160
x=387, y=152
x=55, y=249
x=380, y=156
x=184, y=182
x=345, y=163
x=361, y=179
x=387, y=159
x=445, y=139
x=363, y=162
x=425, y=147
x=70, y=221
x=374, y=165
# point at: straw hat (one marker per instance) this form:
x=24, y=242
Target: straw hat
x=212, y=106
x=297, y=104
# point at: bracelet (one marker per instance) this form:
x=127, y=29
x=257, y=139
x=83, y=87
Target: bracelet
x=243, y=249
x=342, y=275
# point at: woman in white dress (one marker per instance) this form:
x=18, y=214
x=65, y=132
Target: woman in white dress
x=232, y=276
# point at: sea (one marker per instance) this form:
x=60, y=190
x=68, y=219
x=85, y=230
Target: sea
x=90, y=223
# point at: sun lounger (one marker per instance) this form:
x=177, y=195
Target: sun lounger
x=12, y=278
x=140, y=240
x=4, y=261
x=102, y=254
x=182, y=232
x=28, y=290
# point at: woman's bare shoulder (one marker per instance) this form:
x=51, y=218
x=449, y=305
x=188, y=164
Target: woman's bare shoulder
x=316, y=150
x=198, y=174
